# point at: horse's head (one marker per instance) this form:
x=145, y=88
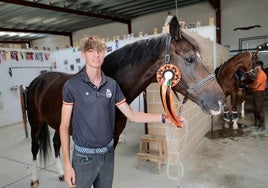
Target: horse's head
x=250, y=66
x=245, y=64
x=196, y=82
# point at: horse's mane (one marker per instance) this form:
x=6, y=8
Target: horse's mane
x=232, y=61
x=141, y=51
x=135, y=53
x=240, y=54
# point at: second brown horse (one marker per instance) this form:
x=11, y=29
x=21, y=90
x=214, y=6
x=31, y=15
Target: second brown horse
x=237, y=70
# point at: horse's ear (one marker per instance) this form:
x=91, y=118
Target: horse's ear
x=174, y=28
x=255, y=55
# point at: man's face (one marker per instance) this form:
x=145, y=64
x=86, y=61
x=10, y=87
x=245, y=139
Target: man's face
x=258, y=67
x=94, y=57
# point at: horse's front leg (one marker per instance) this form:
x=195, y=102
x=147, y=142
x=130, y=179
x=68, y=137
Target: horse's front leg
x=234, y=110
x=227, y=119
x=226, y=114
x=243, y=100
x=57, y=145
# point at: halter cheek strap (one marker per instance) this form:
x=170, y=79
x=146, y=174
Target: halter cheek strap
x=167, y=56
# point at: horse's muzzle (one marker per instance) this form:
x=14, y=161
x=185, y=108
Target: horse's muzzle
x=217, y=112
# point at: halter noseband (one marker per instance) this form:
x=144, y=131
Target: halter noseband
x=199, y=84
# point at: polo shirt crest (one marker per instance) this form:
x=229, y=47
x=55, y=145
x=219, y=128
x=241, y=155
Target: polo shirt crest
x=108, y=93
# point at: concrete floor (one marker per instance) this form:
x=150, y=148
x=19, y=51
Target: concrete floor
x=224, y=159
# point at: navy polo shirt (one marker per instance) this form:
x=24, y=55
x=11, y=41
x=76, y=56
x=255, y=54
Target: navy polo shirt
x=93, y=116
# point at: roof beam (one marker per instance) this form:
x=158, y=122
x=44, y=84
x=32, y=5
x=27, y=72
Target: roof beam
x=14, y=42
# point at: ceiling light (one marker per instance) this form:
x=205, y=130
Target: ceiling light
x=12, y=34
x=23, y=34
x=2, y=33
x=33, y=35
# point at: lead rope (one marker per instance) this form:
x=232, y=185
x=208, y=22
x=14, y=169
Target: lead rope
x=169, y=75
x=175, y=170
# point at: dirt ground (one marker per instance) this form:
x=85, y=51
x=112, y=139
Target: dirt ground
x=225, y=158
x=228, y=158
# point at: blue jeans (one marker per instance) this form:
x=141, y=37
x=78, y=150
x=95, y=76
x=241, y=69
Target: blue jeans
x=93, y=169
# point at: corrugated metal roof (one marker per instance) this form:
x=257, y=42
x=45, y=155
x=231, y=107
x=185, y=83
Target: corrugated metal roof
x=42, y=17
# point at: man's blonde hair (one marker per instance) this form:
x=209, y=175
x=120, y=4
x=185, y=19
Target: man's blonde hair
x=92, y=42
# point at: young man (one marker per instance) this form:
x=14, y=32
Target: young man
x=89, y=102
x=258, y=87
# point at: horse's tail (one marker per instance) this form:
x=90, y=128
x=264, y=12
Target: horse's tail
x=44, y=143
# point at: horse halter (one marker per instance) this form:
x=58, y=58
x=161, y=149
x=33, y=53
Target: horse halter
x=252, y=72
x=168, y=76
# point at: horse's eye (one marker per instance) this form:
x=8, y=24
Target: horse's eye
x=191, y=59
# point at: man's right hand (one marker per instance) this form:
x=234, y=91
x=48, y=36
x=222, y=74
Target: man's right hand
x=69, y=176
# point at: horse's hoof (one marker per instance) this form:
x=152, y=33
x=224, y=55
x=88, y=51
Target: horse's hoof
x=226, y=125
x=34, y=184
x=235, y=127
x=61, y=178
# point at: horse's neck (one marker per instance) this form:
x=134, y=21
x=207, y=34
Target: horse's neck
x=134, y=66
x=134, y=80
x=234, y=66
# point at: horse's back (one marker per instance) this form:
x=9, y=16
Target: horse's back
x=44, y=98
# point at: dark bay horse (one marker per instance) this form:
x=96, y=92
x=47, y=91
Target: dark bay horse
x=232, y=75
x=134, y=67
